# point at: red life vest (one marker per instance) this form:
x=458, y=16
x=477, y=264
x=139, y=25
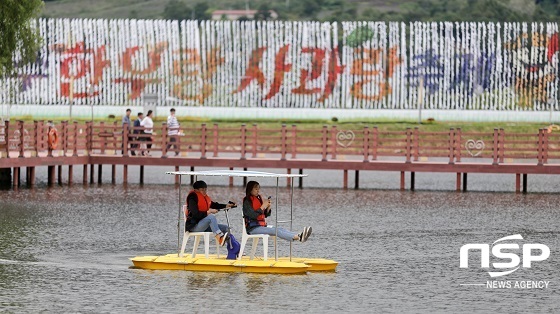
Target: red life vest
x=256, y=202
x=204, y=202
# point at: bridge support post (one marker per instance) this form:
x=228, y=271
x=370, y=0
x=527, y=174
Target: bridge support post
x=27, y=175
x=345, y=179
x=16, y=177
x=412, y=177
x=99, y=173
x=524, y=183
x=141, y=174
x=125, y=174
x=59, y=174
x=84, y=174
x=50, y=175
x=402, y=181
x=458, y=182
x=91, y=173
x=70, y=174
x=465, y=182
x=113, y=174
x=300, y=183
x=357, y=180
x=517, y=182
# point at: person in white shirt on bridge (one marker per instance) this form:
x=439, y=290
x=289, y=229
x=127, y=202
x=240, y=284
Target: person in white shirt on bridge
x=173, y=131
x=148, y=125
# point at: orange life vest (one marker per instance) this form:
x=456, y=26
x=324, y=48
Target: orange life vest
x=256, y=202
x=204, y=202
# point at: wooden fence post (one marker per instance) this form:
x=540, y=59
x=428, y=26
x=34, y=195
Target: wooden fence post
x=540, y=148
x=502, y=145
x=545, y=146
x=416, y=144
x=112, y=140
x=294, y=141
x=203, y=142
x=125, y=134
x=366, y=144
x=283, y=143
x=243, y=140
x=36, y=137
x=89, y=138
x=495, y=148
x=21, y=139
x=7, y=137
x=334, y=132
x=254, y=137
x=451, y=152
x=64, y=138
x=375, y=143
x=408, y=145
x=41, y=134
x=75, y=140
x=324, y=151
x=103, y=138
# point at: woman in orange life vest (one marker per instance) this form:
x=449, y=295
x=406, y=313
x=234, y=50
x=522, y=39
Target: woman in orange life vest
x=200, y=209
x=255, y=210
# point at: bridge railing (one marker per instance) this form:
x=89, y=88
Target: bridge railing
x=21, y=139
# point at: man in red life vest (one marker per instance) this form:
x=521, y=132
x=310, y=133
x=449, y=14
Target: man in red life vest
x=200, y=210
x=255, y=211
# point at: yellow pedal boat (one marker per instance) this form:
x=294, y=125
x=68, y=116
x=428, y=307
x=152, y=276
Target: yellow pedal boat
x=244, y=265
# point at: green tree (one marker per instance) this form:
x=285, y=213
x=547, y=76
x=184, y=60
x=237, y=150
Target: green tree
x=177, y=10
x=201, y=11
x=17, y=32
x=263, y=14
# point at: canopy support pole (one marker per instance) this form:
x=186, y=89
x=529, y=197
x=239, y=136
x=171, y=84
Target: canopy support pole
x=291, y=216
x=179, y=220
x=276, y=222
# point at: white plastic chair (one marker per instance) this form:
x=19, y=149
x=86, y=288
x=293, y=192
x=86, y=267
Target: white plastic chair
x=245, y=236
x=197, y=235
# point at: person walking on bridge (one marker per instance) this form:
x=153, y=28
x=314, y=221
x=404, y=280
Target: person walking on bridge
x=173, y=131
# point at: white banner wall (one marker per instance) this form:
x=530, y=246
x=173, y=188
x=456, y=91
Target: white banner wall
x=278, y=64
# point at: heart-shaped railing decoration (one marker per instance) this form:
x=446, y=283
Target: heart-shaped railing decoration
x=474, y=148
x=345, y=138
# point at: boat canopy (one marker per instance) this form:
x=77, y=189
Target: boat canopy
x=235, y=173
x=238, y=173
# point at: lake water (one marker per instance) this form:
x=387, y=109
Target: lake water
x=67, y=249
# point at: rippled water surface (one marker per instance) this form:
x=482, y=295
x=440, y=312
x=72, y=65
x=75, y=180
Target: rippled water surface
x=67, y=249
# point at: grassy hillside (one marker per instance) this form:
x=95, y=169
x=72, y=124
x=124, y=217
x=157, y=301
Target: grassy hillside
x=332, y=10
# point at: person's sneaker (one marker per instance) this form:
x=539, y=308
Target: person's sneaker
x=305, y=234
x=222, y=239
